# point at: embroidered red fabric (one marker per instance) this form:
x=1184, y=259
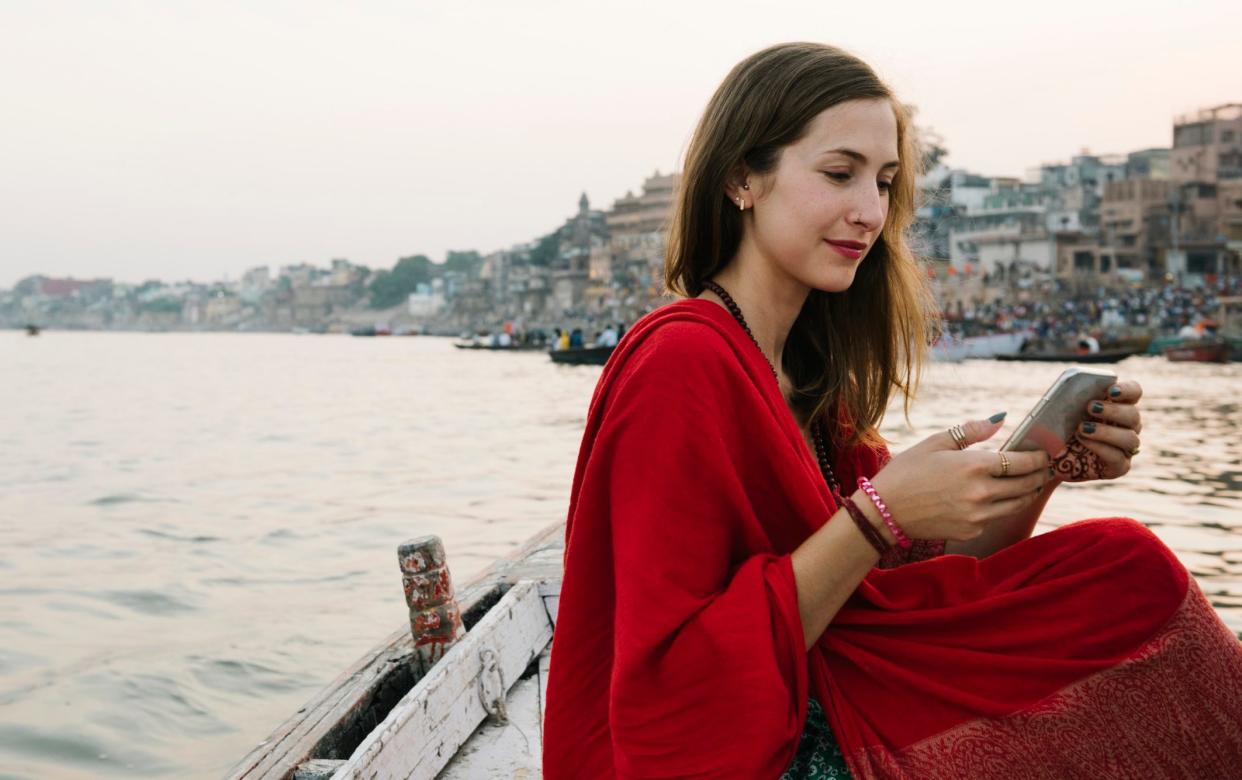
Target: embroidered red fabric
x=678, y=648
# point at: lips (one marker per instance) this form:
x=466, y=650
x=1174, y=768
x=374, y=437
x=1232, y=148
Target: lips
x=851, y=250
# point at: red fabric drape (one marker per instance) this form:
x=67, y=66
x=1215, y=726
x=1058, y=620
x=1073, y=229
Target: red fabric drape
x=678, y=648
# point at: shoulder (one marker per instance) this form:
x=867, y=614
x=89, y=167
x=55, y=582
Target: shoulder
x=680, y=375
x=683, y=347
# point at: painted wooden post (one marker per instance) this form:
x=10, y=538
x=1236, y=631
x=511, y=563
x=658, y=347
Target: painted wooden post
x=435, y=619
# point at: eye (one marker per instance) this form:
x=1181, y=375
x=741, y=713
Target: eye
x=885, y=186
x=836, y=176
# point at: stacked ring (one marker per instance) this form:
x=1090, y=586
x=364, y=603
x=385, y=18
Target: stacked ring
x=1004, y=465
x=959, y=436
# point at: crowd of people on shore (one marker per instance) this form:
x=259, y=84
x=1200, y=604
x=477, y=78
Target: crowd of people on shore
x=1065, y=316
x=1062, y=316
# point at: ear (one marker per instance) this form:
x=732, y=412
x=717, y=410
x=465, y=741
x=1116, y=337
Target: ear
x=738, y=185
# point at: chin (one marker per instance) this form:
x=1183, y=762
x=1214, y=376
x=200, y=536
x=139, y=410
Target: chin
x=836, y=280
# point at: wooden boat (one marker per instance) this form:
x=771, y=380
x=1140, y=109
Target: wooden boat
x=1199, y=351
x=438, y=701
x=371, y=330
x=1103, y=356
x=990, y=345
x=497, y=348
x=582, y=356
x=948, y=351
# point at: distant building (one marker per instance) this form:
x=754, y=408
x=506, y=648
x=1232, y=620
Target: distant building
x=1206, y=168
x=1149, y=164
x=299, y=275
x=1008, y=234
x=1207, y=145
x=68, y=287
x=580, y=236
x=254, y=283
x=637, y=236
x=427, y=300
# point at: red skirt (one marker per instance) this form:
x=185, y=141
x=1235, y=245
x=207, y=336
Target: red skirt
x=1084, y=652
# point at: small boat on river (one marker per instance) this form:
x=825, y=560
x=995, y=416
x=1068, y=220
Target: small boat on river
x=499, y=348
x=1199, y=351
x=582, y=356
x=948, y=350
x=991, y=345
x=1103, y=356
x=952, y=348
x=371, y=330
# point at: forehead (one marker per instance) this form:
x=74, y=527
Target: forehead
x=866, y=126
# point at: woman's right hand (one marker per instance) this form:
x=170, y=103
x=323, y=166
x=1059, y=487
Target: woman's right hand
x=937, y=491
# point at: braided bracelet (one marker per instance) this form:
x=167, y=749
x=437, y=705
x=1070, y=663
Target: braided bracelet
x=865, y=485
x=868, y=530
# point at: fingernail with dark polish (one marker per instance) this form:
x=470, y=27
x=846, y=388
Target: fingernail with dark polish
x=1114, y=391
x=997, y=417
x=1088, y=427
x=1097, y=407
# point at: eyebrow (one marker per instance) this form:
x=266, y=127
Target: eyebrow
x=862, y=158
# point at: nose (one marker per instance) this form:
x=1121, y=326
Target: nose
x=869, y=209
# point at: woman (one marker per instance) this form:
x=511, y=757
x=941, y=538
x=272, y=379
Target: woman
x=733, y=606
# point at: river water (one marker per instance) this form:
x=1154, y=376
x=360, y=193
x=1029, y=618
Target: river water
x=198, y=531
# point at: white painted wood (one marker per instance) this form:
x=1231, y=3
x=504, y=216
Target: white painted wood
x=551, y=604
x=426, y=728
x=545, y=659
x=317, y=769
x=550, y=590
x=511, y=750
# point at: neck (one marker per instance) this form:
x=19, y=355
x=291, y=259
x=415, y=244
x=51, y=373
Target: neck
x=769, y=299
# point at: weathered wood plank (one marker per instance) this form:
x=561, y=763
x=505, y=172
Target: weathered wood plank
x=545, y=660
x=423, y=732
x=513, y=749
x=317, y=769
x=358, y=699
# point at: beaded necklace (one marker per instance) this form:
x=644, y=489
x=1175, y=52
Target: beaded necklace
x=821, y=452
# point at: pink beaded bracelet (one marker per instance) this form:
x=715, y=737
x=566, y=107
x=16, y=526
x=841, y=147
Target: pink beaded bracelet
x=865, y=485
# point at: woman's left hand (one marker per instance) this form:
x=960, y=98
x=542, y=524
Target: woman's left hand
x=1107, y=440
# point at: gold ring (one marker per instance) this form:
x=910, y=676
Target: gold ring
x=959, y=436
x=1134, y=452
x=1004, y=465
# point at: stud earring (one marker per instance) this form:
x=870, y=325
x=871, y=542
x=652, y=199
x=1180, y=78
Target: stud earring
x=741, y=205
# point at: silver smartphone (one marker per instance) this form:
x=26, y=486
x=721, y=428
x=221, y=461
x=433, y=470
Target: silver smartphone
x=1056, y=416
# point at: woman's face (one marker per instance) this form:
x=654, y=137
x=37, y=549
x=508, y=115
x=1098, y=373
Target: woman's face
x=821, y=210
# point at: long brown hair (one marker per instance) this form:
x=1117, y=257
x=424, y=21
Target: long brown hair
x=847, y=351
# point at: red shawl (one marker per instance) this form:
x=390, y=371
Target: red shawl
x=678, y=651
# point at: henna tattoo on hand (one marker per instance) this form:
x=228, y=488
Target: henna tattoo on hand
x=1077, y=463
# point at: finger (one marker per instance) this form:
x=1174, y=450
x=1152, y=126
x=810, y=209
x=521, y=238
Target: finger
x=1020, y=463
x=1113, y=462
x=1120, y=415
x=1123, y=439
x=974, y=432
x=1015, y=487
x=1127, y=392
x=1010, y=506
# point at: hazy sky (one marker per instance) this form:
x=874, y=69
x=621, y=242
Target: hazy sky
x=197, y=139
